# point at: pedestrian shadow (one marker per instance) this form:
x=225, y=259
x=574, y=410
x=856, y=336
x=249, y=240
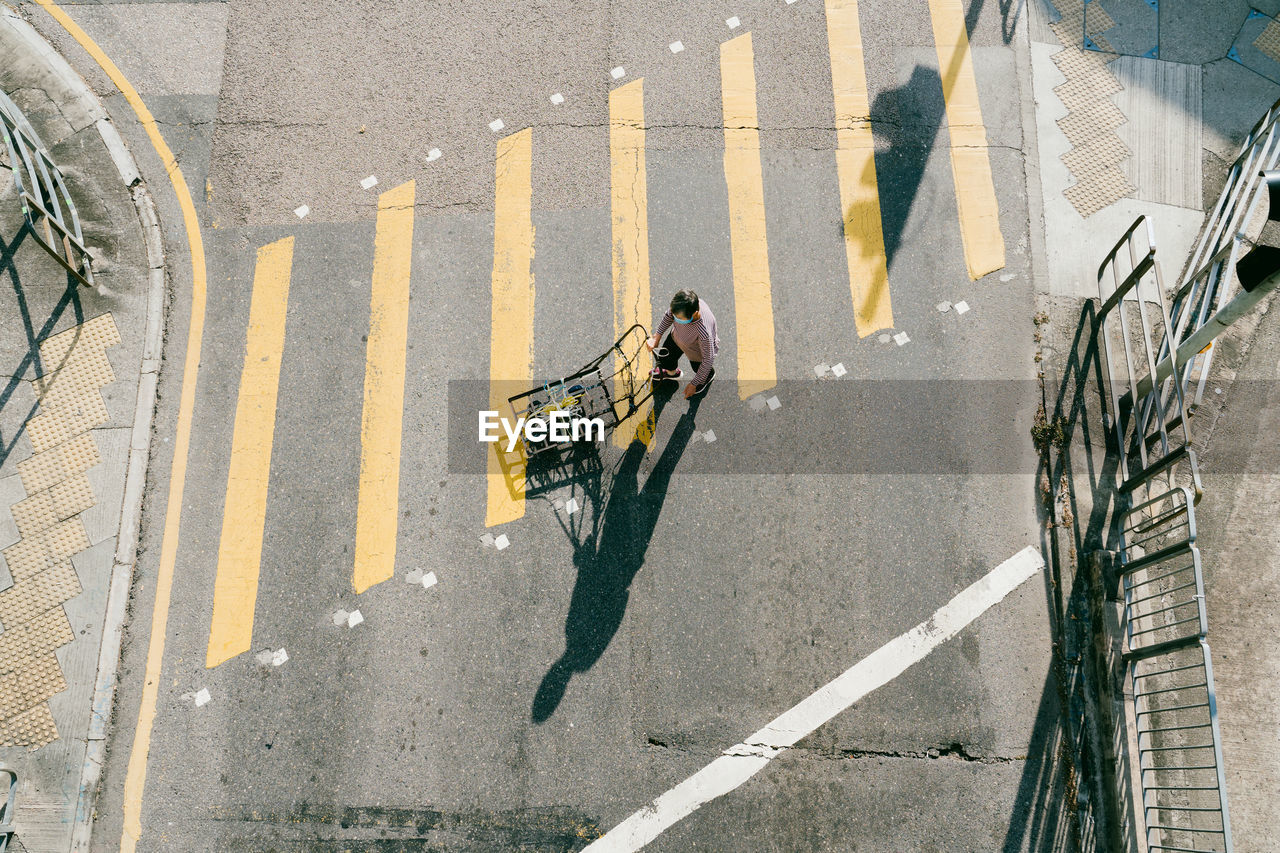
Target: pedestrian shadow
x=609, y=557
x=1062, y=803
x=30, y=366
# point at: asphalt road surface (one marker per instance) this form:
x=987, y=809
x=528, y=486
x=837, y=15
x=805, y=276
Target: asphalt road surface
x=539, y=694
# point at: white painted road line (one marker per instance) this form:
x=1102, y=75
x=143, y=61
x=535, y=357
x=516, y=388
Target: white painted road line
x=744, y=760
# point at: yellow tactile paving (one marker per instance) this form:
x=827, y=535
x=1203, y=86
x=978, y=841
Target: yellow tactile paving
x=44, y=591
x=99, y=333
x=49, y=429
x=74, y=368
x=34, y=727
x=1092, y=117
x=1269, y=41
x=44, y=633
x=28, y=682
x=72, y=457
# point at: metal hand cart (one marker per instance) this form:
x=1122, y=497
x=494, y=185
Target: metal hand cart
x=593, y=391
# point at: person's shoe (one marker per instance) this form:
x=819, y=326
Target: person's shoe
x=703, y=389
x=660, y=375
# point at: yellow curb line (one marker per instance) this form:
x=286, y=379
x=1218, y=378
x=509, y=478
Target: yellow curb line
x=135, y=779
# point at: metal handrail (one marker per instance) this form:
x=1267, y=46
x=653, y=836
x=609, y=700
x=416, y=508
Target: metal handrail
x=8, y=806
x=47, y=206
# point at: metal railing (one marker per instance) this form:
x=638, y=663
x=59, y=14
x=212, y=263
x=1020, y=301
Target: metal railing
x=1158, y=350
x=1152, y=437
x=8, y=805
x=1184, y=792
x=47, y=206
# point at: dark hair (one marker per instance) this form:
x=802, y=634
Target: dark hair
x=684, y=303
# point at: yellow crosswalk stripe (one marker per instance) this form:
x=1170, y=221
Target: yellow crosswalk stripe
x=752, y=289
x=378, y=506
x=856, y=171
x=235, y=588
x=970, y=159
x=511, y=328
x=630, y=200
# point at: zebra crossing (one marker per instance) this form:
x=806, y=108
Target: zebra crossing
x=514, y=293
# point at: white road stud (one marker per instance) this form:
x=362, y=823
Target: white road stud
x=839, y=370
x=354, y=618
x=433, y=154
x=618, y=73
x=279, y=657
x=571, y=506
x=203, y=697
x=496, y=125
x=501, y=541
x=370, y=182
x=901, y=339
x=962, y=307
x=557, y=99
x=429, y=580
x=774, y=403
x=733, y=23
x=301, y=212
x=676, y=46
x=709, y=436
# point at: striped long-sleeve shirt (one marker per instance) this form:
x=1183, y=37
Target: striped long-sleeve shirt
x=698, y=339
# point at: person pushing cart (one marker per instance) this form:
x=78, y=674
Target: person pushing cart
x=692, y=332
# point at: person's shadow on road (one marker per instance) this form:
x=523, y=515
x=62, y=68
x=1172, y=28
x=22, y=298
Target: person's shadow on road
x=609, y=560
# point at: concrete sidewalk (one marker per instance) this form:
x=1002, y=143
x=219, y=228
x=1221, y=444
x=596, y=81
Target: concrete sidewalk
x=79, y=368
x=1121, y=136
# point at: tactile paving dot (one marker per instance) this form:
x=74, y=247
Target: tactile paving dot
x=51, y=428
x=33, y=728
x=25, y=601
x=42, y=470
x=66, y=538
x=44, y=633
x=33, y=681
x=98, y=333
x=85, y=372
x=71, y=496
x=26, y=558
x=34, y=514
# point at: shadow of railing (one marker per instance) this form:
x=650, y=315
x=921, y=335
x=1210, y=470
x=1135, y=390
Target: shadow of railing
x=29, y=366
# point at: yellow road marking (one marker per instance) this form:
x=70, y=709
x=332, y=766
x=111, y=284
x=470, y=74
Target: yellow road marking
x=378, y=506
x=970, y=161
x=630, y=202
x=856, y=170
x=135, y=777
x=743, y=173
x=235, y=587
x=511, y=326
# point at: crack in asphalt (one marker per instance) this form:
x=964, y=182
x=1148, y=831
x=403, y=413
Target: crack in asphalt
x=954, y=751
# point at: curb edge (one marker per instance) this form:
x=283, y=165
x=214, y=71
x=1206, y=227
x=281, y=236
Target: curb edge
x=128, y=532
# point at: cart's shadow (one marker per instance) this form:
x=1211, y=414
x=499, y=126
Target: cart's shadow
x=610, y=556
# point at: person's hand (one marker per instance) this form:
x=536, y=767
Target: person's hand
x=690, y=390
x=652, y=343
